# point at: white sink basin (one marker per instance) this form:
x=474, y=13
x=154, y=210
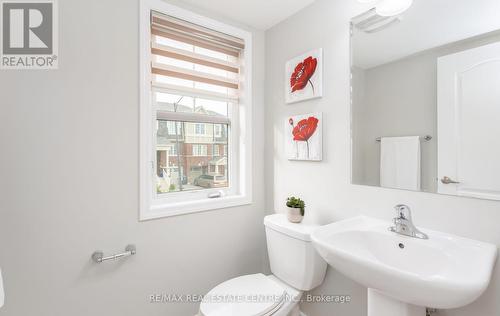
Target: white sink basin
x=444, y=271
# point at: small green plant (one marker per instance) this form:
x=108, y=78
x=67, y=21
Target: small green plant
x=171, y=187
x=296, y=203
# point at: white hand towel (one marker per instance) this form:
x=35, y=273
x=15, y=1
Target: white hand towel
x=400, y=163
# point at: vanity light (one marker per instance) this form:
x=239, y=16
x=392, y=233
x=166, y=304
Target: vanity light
x=371, y=22
x=392, y=7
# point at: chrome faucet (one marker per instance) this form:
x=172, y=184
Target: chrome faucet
x=403, y=223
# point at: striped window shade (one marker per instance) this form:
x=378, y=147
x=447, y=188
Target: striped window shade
x=193, y=66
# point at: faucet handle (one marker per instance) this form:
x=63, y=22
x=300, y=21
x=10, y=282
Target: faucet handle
x=403, y=211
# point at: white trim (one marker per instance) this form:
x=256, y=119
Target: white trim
x=240, y=191
x=199, y=205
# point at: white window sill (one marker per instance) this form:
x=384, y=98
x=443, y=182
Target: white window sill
x=188, y=207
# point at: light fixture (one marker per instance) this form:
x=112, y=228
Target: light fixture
x=371, y=22
x=392, y=7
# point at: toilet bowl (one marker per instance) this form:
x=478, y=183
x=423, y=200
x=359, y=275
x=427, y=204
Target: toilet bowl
x=295, y=265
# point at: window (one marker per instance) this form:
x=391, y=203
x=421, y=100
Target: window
x=196, y=88
x=172, y=150
x=199, y=129
x=200, y=150
x=174, y=128
x=217, y=130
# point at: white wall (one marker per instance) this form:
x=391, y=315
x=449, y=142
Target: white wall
x=69, y=184
x=325, y=186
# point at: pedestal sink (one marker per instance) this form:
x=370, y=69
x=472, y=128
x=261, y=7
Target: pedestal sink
x=404, y=274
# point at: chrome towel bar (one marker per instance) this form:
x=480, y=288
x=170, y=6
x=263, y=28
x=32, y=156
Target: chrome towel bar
x=98, y=256
x=423, y=138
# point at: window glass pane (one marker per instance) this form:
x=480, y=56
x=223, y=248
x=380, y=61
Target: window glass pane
x=211, y=107
x=173, y=98
x=191, y=156
x=177, y=103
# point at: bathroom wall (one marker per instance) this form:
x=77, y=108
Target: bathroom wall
x=69, y=184
x=400, y=99
x=325, y=186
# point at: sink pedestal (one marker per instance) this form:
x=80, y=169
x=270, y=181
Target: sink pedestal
x=382, y=305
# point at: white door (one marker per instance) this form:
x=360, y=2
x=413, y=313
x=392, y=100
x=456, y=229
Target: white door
x=469, y=123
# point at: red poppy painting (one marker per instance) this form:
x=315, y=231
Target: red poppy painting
x=304, y=77
x=304, y=139
x=302, y=74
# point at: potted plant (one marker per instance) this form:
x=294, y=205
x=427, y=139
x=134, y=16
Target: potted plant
x=295, y=209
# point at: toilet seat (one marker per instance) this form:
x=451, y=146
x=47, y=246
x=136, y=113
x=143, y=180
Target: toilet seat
x=249, y=295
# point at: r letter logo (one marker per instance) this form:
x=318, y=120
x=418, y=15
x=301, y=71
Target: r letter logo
x=29, y=34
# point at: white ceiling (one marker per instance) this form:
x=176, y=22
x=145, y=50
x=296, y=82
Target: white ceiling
x=260, y=14
x=427, y=24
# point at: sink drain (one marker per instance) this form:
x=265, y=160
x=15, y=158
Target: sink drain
x=401, y=245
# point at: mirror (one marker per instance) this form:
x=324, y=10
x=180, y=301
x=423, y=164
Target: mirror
x=426, y=98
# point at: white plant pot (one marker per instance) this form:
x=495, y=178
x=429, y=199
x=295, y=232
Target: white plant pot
x=294, y=215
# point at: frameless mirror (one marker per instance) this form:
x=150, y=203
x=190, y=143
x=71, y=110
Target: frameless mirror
x=426, y=98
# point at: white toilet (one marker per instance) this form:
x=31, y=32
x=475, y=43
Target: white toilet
x=295, y=265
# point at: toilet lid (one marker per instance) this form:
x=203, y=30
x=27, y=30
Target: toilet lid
x=249, y=295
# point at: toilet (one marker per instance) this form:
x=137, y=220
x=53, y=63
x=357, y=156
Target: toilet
x=295, y=267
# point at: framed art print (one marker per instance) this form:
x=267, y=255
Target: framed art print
x=303, y=137
x=304, y=77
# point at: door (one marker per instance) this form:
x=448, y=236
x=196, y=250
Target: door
x=469, y=123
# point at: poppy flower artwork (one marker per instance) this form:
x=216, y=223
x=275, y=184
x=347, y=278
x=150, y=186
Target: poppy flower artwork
x=304, y=139
x=304, y=77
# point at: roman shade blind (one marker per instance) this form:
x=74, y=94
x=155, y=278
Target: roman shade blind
x=193, y=61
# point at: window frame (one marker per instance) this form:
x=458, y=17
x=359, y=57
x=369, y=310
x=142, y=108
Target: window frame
x=240, y=135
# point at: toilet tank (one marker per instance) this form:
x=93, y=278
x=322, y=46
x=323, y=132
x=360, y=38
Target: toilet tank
x=292, y=256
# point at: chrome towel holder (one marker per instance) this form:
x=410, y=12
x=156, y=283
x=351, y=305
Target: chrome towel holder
x=98, y=256
x=422, y=138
